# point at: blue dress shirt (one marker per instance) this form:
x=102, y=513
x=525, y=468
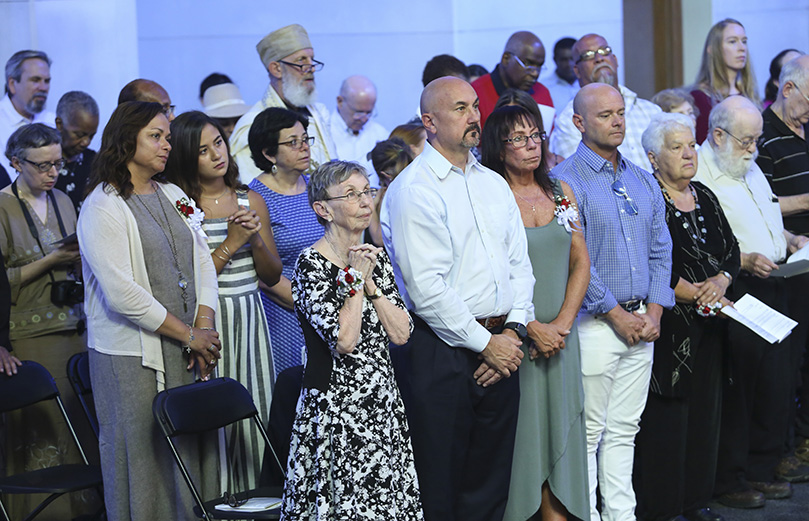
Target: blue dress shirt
x=630, y=254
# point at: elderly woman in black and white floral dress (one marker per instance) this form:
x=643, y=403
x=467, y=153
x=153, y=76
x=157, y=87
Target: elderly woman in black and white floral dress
x=350, y=453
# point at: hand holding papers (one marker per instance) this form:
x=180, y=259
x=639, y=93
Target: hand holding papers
x=763, y=320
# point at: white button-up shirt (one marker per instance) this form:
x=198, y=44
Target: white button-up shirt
x=749, y=205
x=11, y=120
x=562, y=92
x=458, y=247
x=355, y=147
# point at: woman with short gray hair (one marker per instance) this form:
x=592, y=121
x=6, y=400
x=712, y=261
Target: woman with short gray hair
x=46, y=323
x=677, y=446
x=350, y=455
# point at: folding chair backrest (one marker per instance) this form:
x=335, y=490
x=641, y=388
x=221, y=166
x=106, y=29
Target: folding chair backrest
x=78, y=371
x=202, y=406
x=32, y=383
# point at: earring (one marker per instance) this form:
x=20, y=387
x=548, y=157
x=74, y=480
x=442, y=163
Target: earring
x=274, y=169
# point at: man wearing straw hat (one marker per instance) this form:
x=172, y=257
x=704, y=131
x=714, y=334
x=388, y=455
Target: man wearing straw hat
x=290, y=61
x=224, y=103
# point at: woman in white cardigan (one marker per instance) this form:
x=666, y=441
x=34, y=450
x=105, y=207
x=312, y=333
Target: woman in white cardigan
x=150, y=298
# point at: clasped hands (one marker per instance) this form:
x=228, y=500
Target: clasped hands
x=634, y=327
x=362, y=258
x=244, y=224
x=205, y=351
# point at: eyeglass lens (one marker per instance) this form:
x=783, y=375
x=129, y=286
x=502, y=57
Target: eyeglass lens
x=619, y=190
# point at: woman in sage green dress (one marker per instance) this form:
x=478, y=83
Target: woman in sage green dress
x=549, y=471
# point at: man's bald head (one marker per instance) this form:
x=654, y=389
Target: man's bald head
x=599, y=115
x=449, y=108
x=522, y=60
x=147, y=90
x=521, y=39
x=598, y=68
x=356, y=101
x=736, y=115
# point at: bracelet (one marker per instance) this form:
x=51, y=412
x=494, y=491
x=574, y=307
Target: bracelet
x=220, y=257
x=226, y=250
x=206, y=328
x=187, y=346
x=205, y=317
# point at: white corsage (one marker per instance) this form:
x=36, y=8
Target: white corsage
x=349, y=282
x=566, y=213
x=194, y=215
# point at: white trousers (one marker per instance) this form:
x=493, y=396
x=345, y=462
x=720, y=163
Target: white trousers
x=616, y=382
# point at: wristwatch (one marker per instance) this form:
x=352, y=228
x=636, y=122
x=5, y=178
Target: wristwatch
x=727, y=275
x=375, y=295
x=518, y=328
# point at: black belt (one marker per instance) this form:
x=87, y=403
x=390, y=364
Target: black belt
x=631, y=305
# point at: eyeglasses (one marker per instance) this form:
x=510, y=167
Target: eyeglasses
x=589, y=55
x=356, y=114
x=296, y=144
x=230, y=499
x=619, y=190
x=305, y=68
x=745, y=143
x=536, y=68
x=46, y=166
x=522, y=141
x=354, y=197
x=168, y=110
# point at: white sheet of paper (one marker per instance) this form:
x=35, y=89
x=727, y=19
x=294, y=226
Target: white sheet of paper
x=254, y=504
x=763, y=320
x=802, y=254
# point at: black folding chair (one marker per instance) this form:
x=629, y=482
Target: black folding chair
x=206, y=406
x=33, y=384
x=78, y=372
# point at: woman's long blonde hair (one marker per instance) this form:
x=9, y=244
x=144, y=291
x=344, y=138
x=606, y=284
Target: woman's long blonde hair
x=713, y=79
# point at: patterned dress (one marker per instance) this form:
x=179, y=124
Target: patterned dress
x=246, y=354
x=295, y=227
x=350, y=452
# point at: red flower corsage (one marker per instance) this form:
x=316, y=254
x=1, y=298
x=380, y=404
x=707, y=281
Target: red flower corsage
x=349, y=282
x=185, y=207
x=566, y=212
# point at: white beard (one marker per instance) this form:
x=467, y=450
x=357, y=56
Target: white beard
x=296, y=91
x=731, y=163
x=605, y=74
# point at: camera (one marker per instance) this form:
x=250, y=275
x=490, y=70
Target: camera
x=67, y=293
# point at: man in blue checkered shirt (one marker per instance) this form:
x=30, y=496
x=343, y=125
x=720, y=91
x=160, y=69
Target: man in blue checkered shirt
x=623, y=214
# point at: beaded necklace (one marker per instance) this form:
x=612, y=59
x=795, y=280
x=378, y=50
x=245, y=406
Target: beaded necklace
x=695, y=222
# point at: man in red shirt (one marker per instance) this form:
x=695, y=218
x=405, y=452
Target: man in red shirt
x=519, y=68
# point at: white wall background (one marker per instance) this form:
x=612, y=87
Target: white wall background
x=99, y=45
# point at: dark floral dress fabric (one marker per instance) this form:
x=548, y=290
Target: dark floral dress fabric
x=350, y=455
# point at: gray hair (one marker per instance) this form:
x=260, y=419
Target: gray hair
x=795, y=72
x=327, y=175
x=74, y=101
x=721, y=117
x=35, y=135
x=14, y=64
x=671, y=98
x=654, y=137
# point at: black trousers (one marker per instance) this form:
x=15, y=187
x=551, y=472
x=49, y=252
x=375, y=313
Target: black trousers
x=676, y=448
x=757, y=396
x=462, y=433
x=799, y=311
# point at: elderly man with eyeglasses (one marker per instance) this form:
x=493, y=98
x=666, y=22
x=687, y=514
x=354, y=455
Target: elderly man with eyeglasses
x=623, y=213
x=756, y=408
x=522, y=61
x=288, y=55
x=149, y=91
x=353, y=129
x=596, y=63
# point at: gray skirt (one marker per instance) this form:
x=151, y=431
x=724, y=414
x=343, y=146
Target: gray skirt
x=141, y=479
